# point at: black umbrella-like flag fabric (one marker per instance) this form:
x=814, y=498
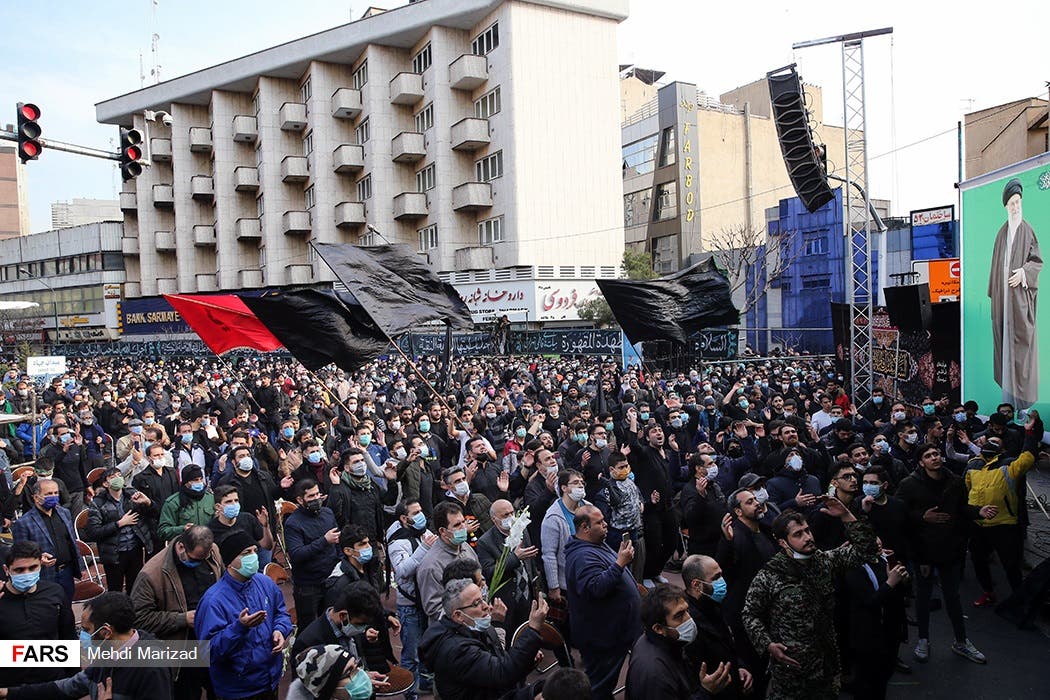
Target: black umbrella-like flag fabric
x=672, y=307
x=395, y=286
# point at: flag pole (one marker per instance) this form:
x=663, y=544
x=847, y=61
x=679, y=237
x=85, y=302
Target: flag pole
x=334, y=395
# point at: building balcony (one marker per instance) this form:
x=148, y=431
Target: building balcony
x=406, y=89
x=245, y=128
x=206, y=283
x=293, y=116
x=204, y=236
x=474, y=258
x=470, y=134
x=468, y=72
x=163, y=196
x=132, y=290
x=129, y=245
x=408, y=147
x=164, y=241
x=129, y=201
x=200, y=139
x=167, y=285
x=160, y=150
x=202, y=187
x=350, y=214
x=294, y=169
x=410, y=205
x=250, y=278
x=299, y=273
x=472, y=196
x=348, y=158
x=246, y=178
x=295, y=223
x=249, y=230
x=346, y=103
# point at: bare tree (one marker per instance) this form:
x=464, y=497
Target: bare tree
x=742, y=249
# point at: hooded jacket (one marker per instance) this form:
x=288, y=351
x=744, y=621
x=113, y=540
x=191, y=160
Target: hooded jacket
x=783, y=487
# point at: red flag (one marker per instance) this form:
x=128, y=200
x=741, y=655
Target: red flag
x=223, y=322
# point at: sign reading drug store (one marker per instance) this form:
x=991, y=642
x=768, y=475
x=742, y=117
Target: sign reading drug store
x=529, y=300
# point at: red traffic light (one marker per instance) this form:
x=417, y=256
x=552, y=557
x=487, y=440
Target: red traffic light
x=30, y=149
x=29, y=111
x=133, y=152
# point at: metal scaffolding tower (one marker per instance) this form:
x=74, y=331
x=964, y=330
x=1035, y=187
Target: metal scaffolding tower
x=857, y=220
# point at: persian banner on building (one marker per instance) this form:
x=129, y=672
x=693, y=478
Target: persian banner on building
x=1005, y=225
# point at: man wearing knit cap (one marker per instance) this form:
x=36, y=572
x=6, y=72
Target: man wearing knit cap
x=244, y=618
x=1013, y=285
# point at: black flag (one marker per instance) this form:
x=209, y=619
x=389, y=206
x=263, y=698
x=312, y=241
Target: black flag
x=395, y=286
x=672, y=307
x=320, y=326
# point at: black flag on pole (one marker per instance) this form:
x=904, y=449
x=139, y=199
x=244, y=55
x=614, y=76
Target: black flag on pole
x=672, y=307
x=320, y=326
x=395, y=286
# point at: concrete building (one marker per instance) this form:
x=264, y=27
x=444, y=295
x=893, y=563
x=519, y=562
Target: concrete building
x=440, y=124
x=14, y=202
x=74, y=274
x=999, y=136
x=78, y=212
x=696, y=168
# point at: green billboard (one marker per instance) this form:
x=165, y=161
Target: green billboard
x=1005, y=326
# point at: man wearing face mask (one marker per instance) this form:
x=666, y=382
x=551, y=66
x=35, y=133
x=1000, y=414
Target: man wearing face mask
x=192, y=505
x=793, y=487
x=310, y=534
x=51, y=527
x=244, y=617
x=705, y=591
x=255, y=487
x=167, y=592
x=464, y=652
x=791, y=602
x=32, y=608
x=703, y=506
x=603, y=599
x=519, y=567
x=451, y=545
x=117, y=521
x=158, y=481
x=659, y=668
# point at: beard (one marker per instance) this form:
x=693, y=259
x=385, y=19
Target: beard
x=1013, y=220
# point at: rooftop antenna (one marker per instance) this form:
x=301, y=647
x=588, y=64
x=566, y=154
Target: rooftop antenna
x=155, y=44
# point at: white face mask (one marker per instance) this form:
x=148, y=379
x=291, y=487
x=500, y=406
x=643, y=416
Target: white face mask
x=761, y=495
x=686, y=631
x=400, y=453
x=506, y=523
x=800, y=555
x=577, y=493
x=795, y=462
x=462, y=488
x=712, y=472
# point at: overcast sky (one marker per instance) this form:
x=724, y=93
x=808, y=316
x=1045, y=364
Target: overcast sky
x=942, y=60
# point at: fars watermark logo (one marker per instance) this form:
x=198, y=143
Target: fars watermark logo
x=1044, y=180
x=31, y=653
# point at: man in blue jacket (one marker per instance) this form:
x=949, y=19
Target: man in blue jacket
x=311, y=534
x=603, y=600
x=244, y=618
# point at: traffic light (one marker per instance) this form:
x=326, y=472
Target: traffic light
x=29, y=145
x=130, y=153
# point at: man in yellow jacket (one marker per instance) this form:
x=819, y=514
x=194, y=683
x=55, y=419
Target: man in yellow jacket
x=992, y=480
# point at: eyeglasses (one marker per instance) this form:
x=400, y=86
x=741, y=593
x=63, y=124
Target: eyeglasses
x=476, y=603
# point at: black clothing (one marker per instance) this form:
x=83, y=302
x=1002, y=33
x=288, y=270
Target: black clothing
x=658, y=669
x=257, y=490
x=714, y=644
x=935, y=543
x=245, y=522
x=65, y=548
x=358, y=502
x=44, y=615
x=702, y=516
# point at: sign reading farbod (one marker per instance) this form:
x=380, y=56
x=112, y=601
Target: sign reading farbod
x=1005, y=222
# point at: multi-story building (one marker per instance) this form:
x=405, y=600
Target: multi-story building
x=73, y=274
x=446, y=124
x=698, y=170
x=78, y=212
x=14, y=204
x=1005, y=134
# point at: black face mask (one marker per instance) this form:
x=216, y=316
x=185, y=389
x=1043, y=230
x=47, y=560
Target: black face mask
x=313, y=507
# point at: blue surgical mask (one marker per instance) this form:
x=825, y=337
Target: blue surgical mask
x=481, y=623
x=424, y=426
x=359, y=687
x=521, y=432
x=877, y=400
x=676, y=422
x=719, y=588
x=249, y=565
x=424, y=450
x=197, y=486
x=601, y=443
x=231, y=510
x=364, y=555
x=85, y=639
x=50, y=502
x=459, y=536
x=23, y=582
x=186, y=438
x=927, y=409
x=609, y=426
x=960, y=417
x=314, y=458
x=288, y=433
x=873, y=490
x=644, y=415
x=419, y=520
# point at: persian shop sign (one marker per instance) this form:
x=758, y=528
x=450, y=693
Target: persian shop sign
x=533, y=300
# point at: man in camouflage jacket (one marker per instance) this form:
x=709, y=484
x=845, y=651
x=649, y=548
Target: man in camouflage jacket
x=789, y=608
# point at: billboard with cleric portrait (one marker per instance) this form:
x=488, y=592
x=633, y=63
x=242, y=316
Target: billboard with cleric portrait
x=1005, y=327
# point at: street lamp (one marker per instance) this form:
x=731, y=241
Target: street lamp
x=54, y=298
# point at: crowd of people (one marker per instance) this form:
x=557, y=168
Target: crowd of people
x=531, y=504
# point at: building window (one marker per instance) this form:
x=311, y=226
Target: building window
x=428, y=237
x=816, y=283
x=486, y=41
x=421, y=61
x=305, y=91
x=112, y=261
x=363, y=132
x=309, y=194
x=364, y=188
x=638, y=157
x=636, y=207
x=366, y=240
x=255, y=104
x=818, y=245
x=259, y=206
x=425, y=118
x=489, y=167
x=666, y=206
x=488, y=104
x=360, y=76
x=667, y=147
x=490, y=231
x=308, y=143
x=425, y=179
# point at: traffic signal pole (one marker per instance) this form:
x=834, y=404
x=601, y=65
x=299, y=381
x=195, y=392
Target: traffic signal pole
x=53, y=145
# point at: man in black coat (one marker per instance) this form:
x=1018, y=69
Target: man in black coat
x=519, y=568
x=465, y=655
x=310, y=534
x=703, y=506
x=343, y=624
